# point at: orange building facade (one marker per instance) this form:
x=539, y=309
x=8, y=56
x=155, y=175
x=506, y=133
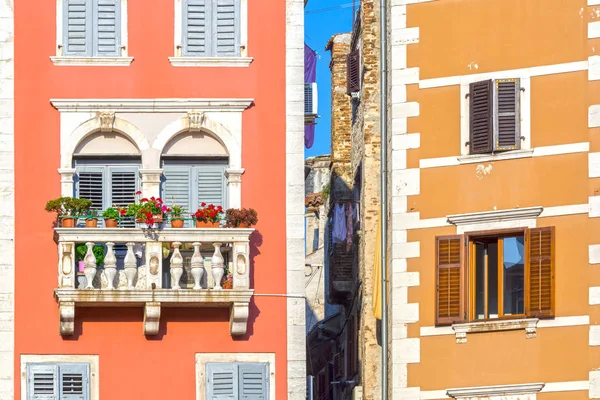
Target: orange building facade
x=494, y=199
x=193, y=101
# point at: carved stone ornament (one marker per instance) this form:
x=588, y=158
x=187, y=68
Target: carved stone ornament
x=151, y=318
x=107, y=120
x=195, y=120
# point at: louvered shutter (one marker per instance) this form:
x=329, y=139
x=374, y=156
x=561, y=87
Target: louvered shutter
x=107, y=28
x=226, y=26
x=90, y=185
x=74, y=381
x=42, y=382
x=176, y=188
x=211, y=184
x=481, y=126
x=449, y=280
x=540, y=273
x=507, y=117
x=353, y=72
x=221, y=381
x=196, y=35
x=123, y=185
x=77, y=28
x=253, y=384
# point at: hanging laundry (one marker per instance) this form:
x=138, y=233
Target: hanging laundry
x=339, y=224
x=349, y=225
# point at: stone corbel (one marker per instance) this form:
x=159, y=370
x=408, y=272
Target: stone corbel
x=107, y=120
x=67, y=318
x=238, y=318
x=195, y=120
x=151, y=318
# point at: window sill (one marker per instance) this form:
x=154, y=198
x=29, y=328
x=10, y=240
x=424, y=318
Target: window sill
x=210, y=61
x=508, y=155
x=93, y=61
x=528, y=324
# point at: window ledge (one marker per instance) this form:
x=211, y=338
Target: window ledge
x=528, y=324
x=509, y=155
x=93, y=61
x=210, y=61
x=489, y=391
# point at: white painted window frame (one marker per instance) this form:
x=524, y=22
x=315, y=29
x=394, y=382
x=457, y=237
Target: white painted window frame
x=123, y=61
x=203, y=358
x=92, y=360
x=178, y=60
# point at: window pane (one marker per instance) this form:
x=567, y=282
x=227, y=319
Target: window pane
x=514, y=275
x=492, y=253
x=479, y=281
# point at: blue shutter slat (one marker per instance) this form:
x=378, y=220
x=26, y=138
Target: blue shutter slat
x=123, y=185
x=107, y=27
x=211, y=184
x=221, y=381
x=226, y=27
x=253, y=382
x=196, y=14
x=42, y=382
x=77, y=28
x=176, y=187
x=74, y=381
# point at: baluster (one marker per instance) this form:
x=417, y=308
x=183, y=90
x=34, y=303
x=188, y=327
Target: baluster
x=176, y=266
x=217, y=266
x=110, y=265
x=197, y=265
x=130, y=265
x=89, y=265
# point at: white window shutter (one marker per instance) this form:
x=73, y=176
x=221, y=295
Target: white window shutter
x=42, y=382
x=74, y=381
x=77, y=28
x=221, y=381
x=107, y=28
x=196, y=28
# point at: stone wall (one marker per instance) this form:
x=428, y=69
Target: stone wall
x=7, y=224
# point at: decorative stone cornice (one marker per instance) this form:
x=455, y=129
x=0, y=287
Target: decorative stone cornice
x=529, y=325
x=151, y=174
x=107, y=120
x=234, y=175
x=150, y=105
x=488, y=391
x=496, y=215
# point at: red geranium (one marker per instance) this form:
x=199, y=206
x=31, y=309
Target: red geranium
x=208, y=213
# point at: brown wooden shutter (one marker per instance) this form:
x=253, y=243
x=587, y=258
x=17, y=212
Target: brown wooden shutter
x=353, y=72
x=481, y=127
x=507, y=116
x=449, y=280
x=540, y=273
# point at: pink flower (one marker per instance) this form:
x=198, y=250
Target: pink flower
x=164, y=208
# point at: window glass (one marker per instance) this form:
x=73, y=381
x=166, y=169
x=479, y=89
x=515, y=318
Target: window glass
x=514, y=275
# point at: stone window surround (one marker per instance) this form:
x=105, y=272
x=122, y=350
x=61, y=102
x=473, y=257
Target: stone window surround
x=178, y=60
x=493, y=392
x=59, y=59
x=203, y=358
x=80, y=118
x=93, y=360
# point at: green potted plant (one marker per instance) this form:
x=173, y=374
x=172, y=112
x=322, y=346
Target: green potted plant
x=80, y=252
x=149, y=211
x=68, y=209
x=176, y=214
x=241, y=218
x=112, y=215
x=91, y=219
x=208, y=216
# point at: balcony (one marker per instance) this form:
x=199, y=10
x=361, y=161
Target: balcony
x=152, y=269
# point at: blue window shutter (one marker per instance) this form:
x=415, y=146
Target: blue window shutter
x=123, y=185
x=90, y=185
x=226, y=28
x=176, y=187
x=253, y=381
x=210, y=183
x=74, y=381
x=107, y=28
x=42, y=382
x=221, y=381
x=77, y=28
x=196, y=28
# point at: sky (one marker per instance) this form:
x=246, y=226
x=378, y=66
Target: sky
x=323, y=19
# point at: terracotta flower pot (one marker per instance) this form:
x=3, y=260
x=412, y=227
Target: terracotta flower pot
x=243, y=226
x=207, y=224
x=67, y=222
x=176, y=223
x=91, y=223
x=157, y=219
x=111, y=223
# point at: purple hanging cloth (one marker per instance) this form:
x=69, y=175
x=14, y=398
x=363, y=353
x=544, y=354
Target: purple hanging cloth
x=310, y=65
x=309, y=135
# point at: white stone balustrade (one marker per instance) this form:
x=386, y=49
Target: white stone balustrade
x=140, y=280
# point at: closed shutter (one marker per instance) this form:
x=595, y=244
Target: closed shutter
x=196, y=17
x=449, y=280
x=74, y=381
x=481, y=126
x=107, y=28
x=211, y=184
x=507, y=114
x=42, y=382
x=77, y=28
x=353, y=72
x=123, y=185
x=540, y=273
x=90, y=185
x=253, y=384
x=226, y=27
x=221, y=381
x=176, y=188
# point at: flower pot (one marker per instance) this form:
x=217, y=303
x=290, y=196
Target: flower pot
x=67, y=222
x=176, y=223
x=81, y=266
x=207, y=224
x=157, y=219
x=243, y=226
x=111, y=223
x=91, y=223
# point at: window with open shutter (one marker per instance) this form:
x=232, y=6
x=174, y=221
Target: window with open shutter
x=449, y=280
x=196, y=27
x=90, y=184
x=480, y=124
x=77, y=27
x=541, y=272
x=123, y=185
x=353, y=72
x=226, y=28
x=507, y=123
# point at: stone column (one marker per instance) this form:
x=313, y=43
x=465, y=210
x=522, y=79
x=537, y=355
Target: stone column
x=151, y=182
x=66, y=181
x=234, y=183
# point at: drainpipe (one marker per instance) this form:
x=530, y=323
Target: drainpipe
x=384, y=196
